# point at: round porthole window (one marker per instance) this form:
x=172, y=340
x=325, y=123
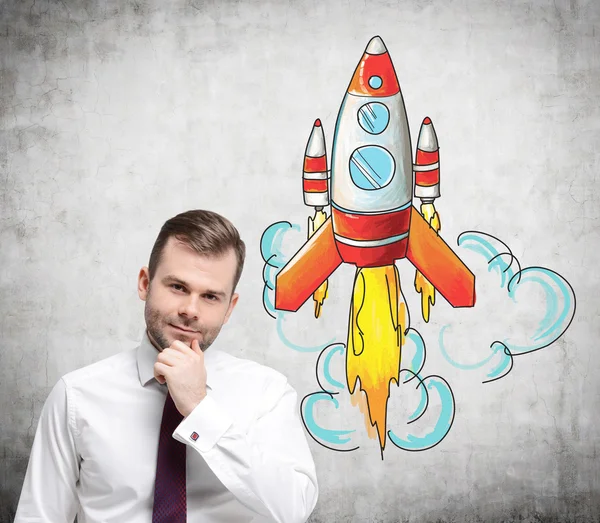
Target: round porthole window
x=375, y=82
x=372, y=167
x=374, y=117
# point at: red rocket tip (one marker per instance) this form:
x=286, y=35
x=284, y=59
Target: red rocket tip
x=427, y=120
x=317, y=123
x=375, y=74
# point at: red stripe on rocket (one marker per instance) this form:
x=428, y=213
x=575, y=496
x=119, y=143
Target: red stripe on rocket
x=373, y=222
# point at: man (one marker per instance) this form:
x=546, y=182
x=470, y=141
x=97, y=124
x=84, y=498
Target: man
x=173, y=432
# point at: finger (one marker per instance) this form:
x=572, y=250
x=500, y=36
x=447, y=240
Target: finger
x=181, y=347
x=170, y=357
x=196, y=347
x=160, y=372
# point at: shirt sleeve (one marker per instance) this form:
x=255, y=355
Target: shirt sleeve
x=269, y=468
x=48, y=493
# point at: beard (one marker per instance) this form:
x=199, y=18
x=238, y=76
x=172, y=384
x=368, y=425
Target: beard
x=156, y=324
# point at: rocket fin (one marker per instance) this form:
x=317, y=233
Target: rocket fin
x=307, y=270
x=438, y=263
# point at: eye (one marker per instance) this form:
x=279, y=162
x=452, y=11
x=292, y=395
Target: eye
x=177, y=287
x=211, y=297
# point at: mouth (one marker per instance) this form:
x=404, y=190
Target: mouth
x=182, y=329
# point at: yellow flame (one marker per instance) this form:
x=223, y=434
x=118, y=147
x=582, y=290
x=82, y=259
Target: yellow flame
x=321, y=293
x=422, y=284
x=378, y=320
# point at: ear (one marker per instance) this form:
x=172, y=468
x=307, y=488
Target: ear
x=143, y=283
x=232, y=304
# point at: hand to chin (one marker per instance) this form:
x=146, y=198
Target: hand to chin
x=181, y=367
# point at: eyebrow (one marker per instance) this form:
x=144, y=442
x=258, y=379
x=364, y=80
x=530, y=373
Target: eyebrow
x=173, y=279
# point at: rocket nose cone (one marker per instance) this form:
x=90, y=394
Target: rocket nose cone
x=376, y=46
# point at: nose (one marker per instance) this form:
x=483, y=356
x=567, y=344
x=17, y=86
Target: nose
x=190, y=307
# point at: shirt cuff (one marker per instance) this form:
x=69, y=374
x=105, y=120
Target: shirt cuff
x=204, y=426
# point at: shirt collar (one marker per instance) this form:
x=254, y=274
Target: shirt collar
x=146, y=358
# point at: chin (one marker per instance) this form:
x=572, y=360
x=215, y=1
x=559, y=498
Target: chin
x=188, y=337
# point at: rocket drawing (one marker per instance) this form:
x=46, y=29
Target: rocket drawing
x=371, y=224
x=372, y=221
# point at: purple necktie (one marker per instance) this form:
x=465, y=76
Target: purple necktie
x=169, y=490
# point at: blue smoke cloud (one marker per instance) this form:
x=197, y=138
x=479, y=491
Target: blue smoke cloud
x=520, y=284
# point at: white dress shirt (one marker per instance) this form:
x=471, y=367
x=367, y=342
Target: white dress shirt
x=96, y=444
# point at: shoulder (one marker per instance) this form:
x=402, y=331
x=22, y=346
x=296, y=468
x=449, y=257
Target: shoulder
x=90, y=381
x=113, y=368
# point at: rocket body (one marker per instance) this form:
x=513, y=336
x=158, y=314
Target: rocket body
x=372, y=172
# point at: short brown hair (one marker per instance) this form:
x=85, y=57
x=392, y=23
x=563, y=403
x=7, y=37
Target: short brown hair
x=207, y=232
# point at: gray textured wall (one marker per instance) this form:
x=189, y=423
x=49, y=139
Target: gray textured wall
x=117, y=115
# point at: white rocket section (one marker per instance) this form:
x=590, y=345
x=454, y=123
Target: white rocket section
x=349, y=136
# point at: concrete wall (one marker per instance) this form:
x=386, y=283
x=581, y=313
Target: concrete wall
x=117, y=115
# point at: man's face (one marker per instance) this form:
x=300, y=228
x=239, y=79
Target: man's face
x=190, y=296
